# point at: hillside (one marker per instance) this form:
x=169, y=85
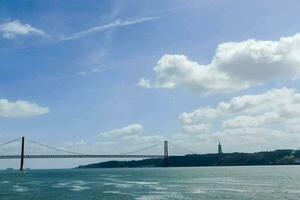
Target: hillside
x=277, y=157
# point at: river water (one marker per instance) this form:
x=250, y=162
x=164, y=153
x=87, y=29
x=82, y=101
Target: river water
x=269, y=182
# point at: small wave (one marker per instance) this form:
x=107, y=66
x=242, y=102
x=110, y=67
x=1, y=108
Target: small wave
x=199, y=191
x=80, y=182
x=18, y=188
x=111, y=192
x=292, y=191
x=242, y=183
x=132, y=182
x=150, y=197
x=77, y=185
x=161, y=196
x=232, y=190
x=78, y=188
x=112, y=176
x=63, y=184
x=119, y=185
x=141, y=182
x=156, y=187
x=4, y=182
x=117, y=192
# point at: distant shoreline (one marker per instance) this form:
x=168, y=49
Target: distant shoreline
x=264, y=158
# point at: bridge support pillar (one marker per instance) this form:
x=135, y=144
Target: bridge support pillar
x=22, y=154
x=166, y=154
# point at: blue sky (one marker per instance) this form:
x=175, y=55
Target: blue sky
x=78, y=66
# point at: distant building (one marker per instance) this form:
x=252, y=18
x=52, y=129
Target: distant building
x=220, y=148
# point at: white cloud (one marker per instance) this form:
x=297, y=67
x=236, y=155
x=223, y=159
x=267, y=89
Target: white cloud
x=129, y=130
x=235, y=66
x=253, y=110
x=15, y=28
x=197, y=128
x=116, y=23
x=144, y=83
x=252, y=121
x=199, y=115
x=21, y=109
x=265, y=121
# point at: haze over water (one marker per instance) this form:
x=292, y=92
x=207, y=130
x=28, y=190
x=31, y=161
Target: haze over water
x=240, y=183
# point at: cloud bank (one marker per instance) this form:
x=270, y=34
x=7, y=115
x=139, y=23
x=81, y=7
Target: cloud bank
x=235, y=66
x=21, y=109
x=250, y=122
x=247, y=123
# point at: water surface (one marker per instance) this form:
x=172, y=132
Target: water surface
x=268, y=183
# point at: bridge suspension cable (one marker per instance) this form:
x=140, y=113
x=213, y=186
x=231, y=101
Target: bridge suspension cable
x=1, y=145
x=54, y=148
x=142, y=149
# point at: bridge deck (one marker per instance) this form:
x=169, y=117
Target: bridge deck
x=79, y=156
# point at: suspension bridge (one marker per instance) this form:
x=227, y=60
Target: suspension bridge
x=71, y=154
